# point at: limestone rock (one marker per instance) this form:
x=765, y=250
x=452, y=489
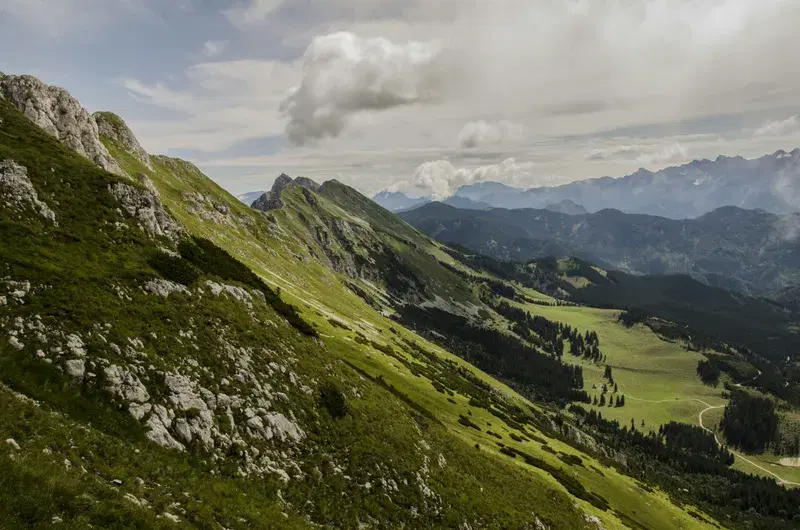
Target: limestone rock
x=164, y=288
x=236, y=292
x=182, y=393
x=139, y=410
x=113, y=127
x=76, y=346
x=146, y=207
x=59, y=114
x=126, y=385
x=157, y=433
x=283, y=427
x=75, y=368
x=17, y=191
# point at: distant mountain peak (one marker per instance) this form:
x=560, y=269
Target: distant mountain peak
x=567, y=206
x=271, y=200
x=396, y=201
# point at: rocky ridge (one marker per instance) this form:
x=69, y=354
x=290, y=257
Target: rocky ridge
x=112, y=126
x=272, y=199
x=57, y=112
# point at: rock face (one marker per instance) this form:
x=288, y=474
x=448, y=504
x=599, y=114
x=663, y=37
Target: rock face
x=272, y=199
x=57, y=112
x=146, y=207
x=17, y=191
x=113, y=127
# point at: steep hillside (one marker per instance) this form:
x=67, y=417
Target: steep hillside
x=749, y=251
x=681, y=192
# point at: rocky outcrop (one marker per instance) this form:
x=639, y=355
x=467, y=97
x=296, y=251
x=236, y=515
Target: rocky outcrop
x=272, y=199
x=125, y=385
x=146, y=207
x=17, y=191
x=114, y=128
x=164, y=288
x=58, y=113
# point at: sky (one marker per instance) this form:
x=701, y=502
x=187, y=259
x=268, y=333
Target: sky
x=423, y=96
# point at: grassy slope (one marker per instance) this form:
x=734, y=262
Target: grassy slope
x=658, y=378
x=279, y=258
x=85, y=260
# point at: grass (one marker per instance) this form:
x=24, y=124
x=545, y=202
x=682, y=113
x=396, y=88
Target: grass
x=658, y=378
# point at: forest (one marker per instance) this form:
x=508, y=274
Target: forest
x=686, y=462
x=537, y=375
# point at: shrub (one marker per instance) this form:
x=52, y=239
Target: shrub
x=332, y=399
x=173, y=268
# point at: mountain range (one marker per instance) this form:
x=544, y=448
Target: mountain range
x=750, y=251
x=770, y=183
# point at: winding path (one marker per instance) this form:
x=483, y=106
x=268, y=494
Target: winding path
x=780, y=479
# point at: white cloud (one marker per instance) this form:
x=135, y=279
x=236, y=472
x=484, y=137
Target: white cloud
x=480, y=133
x=669, y=154
x=214, y=48
x=647, y=155
x=441, y=179
x=344, y=74
x=785, y=127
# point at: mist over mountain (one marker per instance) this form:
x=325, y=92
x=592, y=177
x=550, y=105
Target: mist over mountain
x=768, y=183
x=395, y=201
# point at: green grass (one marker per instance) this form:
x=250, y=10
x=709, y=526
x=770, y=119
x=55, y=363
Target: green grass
x=658, y=378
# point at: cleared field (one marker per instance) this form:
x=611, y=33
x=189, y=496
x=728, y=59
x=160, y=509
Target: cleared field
x=657, y=378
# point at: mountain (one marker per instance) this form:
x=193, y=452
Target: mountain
x=480, y=191
x=396, y=200
x=681, y=192
x=566, y=206
x=464, y=203
x=750, y=251
x=171, y=357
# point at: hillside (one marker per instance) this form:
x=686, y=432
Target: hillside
x=174, y=357
x=749, y=251
x=679, y=192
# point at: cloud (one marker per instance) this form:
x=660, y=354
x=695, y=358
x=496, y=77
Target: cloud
x=785, y=127
x=344, y=74
x=480, y=133
x=222, y=103
x=674, y=153
x=214, y=48
x=252, y=13
x=441, y=179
